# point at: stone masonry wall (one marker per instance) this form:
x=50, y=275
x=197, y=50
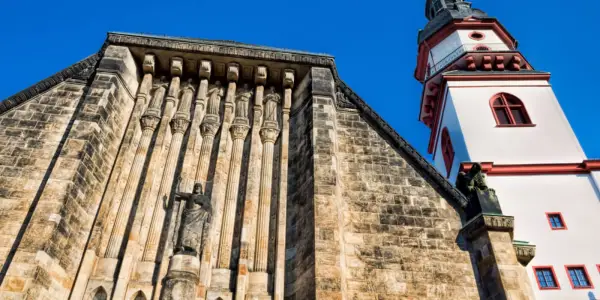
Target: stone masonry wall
x=401, y=238
x=47, y=259
x=300, y=247
x=29, y=138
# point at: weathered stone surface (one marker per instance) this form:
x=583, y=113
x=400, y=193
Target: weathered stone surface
x=76, y=183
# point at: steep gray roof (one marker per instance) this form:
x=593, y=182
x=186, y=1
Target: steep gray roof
x=84, y=68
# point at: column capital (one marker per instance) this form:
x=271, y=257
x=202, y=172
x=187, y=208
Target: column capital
x=205, y=69
x=288, y=78
x=176, y=66
x=239, y=131
x=269, y=134
x=180, y=123
x=149, y=121
x=233, y=72
x=149, y=63
x=260, y=77
x=487, y=222
x=210, y=125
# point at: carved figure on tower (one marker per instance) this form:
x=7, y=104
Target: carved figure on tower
x=195, y=221
x=482, y=199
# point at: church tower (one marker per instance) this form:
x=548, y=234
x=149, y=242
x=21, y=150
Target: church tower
x=484, y=102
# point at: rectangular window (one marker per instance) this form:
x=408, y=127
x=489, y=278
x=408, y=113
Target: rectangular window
x=556, y=221
x=545, y=278
x=578, y=277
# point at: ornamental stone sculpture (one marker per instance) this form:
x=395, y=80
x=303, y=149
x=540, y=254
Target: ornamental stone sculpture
x=482, y=199
x=195, y=221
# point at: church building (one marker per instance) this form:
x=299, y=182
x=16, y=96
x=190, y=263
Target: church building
x=182, y=168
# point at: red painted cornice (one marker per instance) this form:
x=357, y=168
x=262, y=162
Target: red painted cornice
x=495, y=76
x=492, y=169
x=447, y=30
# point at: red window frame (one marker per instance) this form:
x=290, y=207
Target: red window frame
x=447, y=150
x=585, y=272
x=535, y=268
x=562, y=220
x=507, y=106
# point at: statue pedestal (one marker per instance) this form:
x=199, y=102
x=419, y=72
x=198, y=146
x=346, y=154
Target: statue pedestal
x=220, y=285
x=258, y=286
x=182, y=279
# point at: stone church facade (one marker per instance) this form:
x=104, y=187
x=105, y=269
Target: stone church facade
x=311, y=194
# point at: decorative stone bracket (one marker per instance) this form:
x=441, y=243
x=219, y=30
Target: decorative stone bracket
x=525, y=252
x=490, y=222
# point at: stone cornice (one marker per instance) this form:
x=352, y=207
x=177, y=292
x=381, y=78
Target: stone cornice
x=220, y=48
x=487, y=222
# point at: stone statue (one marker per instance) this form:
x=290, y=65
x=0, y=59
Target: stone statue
x=243, y=97
x=195, y=221
x=468, y=183
x=271, y=100
x=482, y=199
x=214, y=97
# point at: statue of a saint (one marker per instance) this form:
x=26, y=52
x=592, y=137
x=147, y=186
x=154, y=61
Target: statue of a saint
x=214, y=98
x=271, y=100
x=243, y=97
x=482, y=199
x=195, y=221
x=468, y=183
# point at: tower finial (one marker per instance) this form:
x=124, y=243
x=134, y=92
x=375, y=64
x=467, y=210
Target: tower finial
x=433, y=8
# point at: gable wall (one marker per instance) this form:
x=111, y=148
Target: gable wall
x=400, y=236
x=29, y=138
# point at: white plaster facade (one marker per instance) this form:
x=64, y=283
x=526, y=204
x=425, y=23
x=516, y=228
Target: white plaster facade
x=528, y=199
x=458, y=43
x=476, y=137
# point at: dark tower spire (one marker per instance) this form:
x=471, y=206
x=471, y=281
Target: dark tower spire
x=434, y=8
x=441, y=12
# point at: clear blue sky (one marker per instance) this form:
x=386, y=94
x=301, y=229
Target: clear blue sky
x=374, y=42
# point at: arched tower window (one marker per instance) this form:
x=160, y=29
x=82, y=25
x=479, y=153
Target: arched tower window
x=100, y=294
x=447, y=150
x=509, y=110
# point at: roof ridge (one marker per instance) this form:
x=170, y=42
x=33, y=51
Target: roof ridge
x=42, y=86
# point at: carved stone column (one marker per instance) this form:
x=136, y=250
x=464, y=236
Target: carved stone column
x=218, y=279
x=154, y=170
x=209, y=128
x=245, y=264
x=179, y=126
x=288, y=84
x=149, y=122
x=188, y=173
x=268, y=134
x=501, y=274
x=239, y=131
